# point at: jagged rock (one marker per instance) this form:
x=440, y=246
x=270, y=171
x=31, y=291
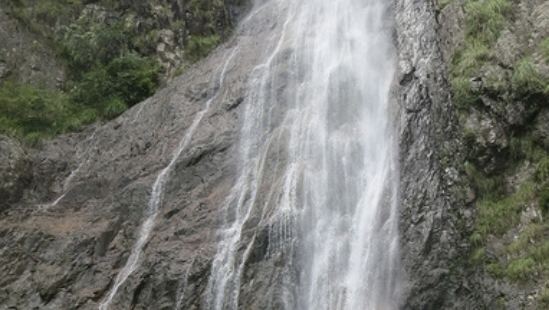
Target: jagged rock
x=487, y=131
x=431, y=210
x=15, y=172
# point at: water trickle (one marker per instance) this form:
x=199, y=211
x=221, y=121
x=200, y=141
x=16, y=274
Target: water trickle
x=84, y=156
x=158, y=191
x=180, y=297
x=318, y=162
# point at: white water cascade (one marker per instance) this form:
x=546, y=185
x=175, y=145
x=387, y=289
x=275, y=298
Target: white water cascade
x=318, y=162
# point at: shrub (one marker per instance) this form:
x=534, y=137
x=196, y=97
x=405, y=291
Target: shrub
x=495, y=216
x=199, y=46
x=542, y=170
x=114, y=107
x=526, y=80
x=85, y=45
x=93, y=88
x=35, y=14
x=466, y=61
x=133, y=77
x=30, y=112
x=110, y=89
x=520, y=269
x=488, y=188
x=532, y=233
x=486, y=18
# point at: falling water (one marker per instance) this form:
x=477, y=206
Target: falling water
x=158, y=191
x=317, y=160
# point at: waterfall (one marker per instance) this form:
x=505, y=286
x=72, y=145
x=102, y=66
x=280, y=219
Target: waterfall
x=317, y=161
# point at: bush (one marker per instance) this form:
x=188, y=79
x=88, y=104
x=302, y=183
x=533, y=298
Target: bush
x=526, y=80
x=520, y=269
x=486, y=18
x=113, y=108
x=471, y=57
x=30, y=113
x=86, y=45
x=487, y=188
x=542, y=170
x=199, y=46
x=495, y=216
x=133, y=77
x=110, y=89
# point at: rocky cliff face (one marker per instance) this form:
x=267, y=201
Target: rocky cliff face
x=71, y=207
x=433, y=214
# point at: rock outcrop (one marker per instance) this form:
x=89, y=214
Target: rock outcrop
x=434, y=216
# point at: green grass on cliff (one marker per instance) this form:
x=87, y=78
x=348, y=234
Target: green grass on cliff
x=485, y=19
x=199, y=46
x=523, y=251
x=526, y=81
x=32, y=113
x=103, y=92
x=505, y=217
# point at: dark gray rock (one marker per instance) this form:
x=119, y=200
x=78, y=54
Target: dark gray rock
x=432, y=193
x=15, y=172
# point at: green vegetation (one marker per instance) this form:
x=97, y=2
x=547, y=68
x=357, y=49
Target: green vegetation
x=495, y=216
x=523, y=250
x=485, y=21
x=486, y=18
x=527, y=255
x=544, y=49
x=200, y=46
x=526, y=80
x=42, y=16
x=85, y=44
x=107, y=56
x=32, y=113
x=104, y=92
x=106, y=78
x=128, y=79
